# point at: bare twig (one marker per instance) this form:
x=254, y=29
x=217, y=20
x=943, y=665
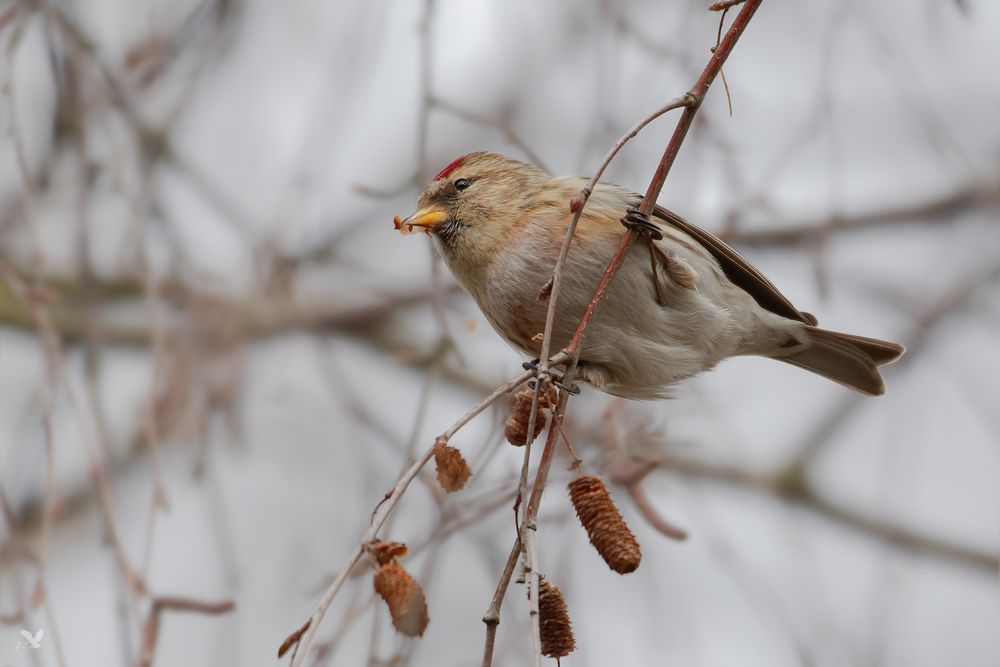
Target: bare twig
x=492, y=616
x=723, y=5
x=557, y=270
x=503, y=128
x=388, y=504
x=940, y=209
x=529, y=525
x=151, y=633
x=691, y=102
x=630, y=476
x=51, y=349
x=800, y=492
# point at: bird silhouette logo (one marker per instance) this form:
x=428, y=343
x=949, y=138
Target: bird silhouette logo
x=34, y=641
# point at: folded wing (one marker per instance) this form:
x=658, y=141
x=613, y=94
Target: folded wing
x=741, y=272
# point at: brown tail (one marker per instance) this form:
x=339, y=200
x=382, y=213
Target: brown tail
x=851, y=360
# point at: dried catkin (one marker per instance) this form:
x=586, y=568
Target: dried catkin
x=516, y=428
x=452, y=470
x=404, y=598
x=553, y=617
x=605, y=526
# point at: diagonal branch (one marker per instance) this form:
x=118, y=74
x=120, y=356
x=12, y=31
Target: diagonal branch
x=691, y=102
x=386, y=507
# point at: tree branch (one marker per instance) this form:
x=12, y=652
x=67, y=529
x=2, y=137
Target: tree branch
x=151, y=633
x=944, y=208
x=389, y=503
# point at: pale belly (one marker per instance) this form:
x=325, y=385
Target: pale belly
x=633, y=346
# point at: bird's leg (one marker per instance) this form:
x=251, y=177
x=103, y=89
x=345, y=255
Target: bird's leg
x=640, y=224
x=660, y=298
x=679, y=271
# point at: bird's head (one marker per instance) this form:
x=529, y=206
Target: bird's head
x=474, y=204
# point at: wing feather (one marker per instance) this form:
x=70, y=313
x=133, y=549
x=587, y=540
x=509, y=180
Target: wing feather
x=741, y=272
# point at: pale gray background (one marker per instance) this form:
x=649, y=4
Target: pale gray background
x=248, y=282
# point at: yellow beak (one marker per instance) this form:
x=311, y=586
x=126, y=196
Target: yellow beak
x=428, y=218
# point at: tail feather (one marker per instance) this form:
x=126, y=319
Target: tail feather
x=851, y=360
x=881, y=351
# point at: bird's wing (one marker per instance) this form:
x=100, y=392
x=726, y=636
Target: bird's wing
x=741, y=272
x=27, y=635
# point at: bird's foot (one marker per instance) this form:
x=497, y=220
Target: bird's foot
x=640, y=223
x=554, y=376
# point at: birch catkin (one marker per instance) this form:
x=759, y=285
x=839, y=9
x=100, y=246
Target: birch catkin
x=605, y=526
x=516, y=428
x=555, y=628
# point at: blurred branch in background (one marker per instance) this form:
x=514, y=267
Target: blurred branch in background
x=982, y=198
x=175, y=222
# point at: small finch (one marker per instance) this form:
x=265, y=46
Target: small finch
x=500, y=223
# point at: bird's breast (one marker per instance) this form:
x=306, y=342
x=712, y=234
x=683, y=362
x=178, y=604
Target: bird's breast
x=509, y=299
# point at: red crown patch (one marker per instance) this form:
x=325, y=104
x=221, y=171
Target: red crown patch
x=452, y=166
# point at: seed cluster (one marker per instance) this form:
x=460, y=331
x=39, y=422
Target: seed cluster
x=516, y=428
x=555, y=629
x=597, y=512
x=605, y=526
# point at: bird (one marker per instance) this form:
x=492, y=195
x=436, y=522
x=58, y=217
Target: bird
x=682, y=301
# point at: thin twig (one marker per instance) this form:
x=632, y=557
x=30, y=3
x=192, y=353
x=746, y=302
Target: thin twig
x=584, y=195
x=529, y=525
x=800, y=493
x=724, y=5
x=151, y=633
x=388, y=504
x=691, y=102
x=638, y=494
x=492, y=616
x=939, y=209
x=502, y=128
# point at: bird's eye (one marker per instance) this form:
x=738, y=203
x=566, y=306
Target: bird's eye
x=462, y=183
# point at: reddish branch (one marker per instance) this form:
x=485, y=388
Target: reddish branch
x=385, y=508
x=693, y=102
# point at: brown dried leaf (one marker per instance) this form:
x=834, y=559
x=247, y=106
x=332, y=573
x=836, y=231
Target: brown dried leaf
x=452, y=470
x=386, y=551
x=293, y=639
x=404, y=597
